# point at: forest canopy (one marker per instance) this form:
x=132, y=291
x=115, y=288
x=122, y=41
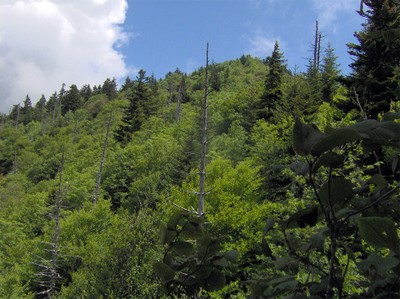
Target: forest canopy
x=299, y=173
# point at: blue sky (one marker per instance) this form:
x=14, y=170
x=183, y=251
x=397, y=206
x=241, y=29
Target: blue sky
x=44, y=43
x=170, y=34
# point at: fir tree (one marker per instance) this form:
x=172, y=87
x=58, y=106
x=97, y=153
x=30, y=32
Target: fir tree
x=39, y=109
x=138, y=109
x=71, y=100
x=376, y=56
x=273, y=83
x=329, y=74
x=109, y=88
x=26, y=110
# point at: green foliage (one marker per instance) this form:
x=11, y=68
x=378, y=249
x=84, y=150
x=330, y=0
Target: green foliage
x=337, y=217
x=317, y=218
x=273, y=83
x=193, y=260
x=376, y=56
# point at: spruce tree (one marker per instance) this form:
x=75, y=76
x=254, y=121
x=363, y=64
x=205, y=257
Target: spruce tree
x=273, y=83
x=40, y=108
x=71, y=100
x=26, y=110
x=329, y=74
x=134, y=115
x=376, y=56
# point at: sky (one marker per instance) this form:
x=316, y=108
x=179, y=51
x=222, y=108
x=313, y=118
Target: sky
x=45, y=43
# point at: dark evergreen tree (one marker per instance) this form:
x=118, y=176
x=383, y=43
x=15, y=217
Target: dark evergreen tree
x=86, y=92
x=127, y=84
x=376, y=56
x=51, y=103
x=273, y=83
x=329, y=74
x=109, y=88
x=40, y=109
x=215, y=81
x=139, y=97
x=71, y=100
x=153, y=84
x=26, y=110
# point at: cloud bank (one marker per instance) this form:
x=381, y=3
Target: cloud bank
x=44, y=43
x=328, y=11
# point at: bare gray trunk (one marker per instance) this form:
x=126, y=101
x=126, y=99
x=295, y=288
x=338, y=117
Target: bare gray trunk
x=178, y=105
x=202, y=192
x=99, y=174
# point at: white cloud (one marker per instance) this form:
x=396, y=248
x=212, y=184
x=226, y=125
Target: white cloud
x=261, y=45
x=328, y=11
x=44, y=43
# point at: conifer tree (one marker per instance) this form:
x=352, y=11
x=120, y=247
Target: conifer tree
x=376, y=56
x=273, y=83
x=329, y=74
x=138, y=109
x=71, y=100
x=39, y=109
x=26, y=110
x=86, y=92
x=109, y=88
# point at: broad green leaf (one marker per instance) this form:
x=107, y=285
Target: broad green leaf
x=378, y=180
x=378, y=263
x=379, y=232
x=280, y=280
x=378, y=133
x=163, y=271
x=167, y=235
x=391, y=116
x=182, y=247
x=220, y=261
x=192, y=230
x=307, y=216
x=264, y=245
x=305, y=137
x=215, y=281
x=329, y=159
x=231, y=255
x=174, y=220
x=287, y=285
x=317, y=240
x=335, y=191
x=299, y=168
x=395, y=163
x=334, y=139
x=286, y=263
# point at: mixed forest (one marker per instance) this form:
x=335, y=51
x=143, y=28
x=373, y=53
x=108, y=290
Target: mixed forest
x=243, y=179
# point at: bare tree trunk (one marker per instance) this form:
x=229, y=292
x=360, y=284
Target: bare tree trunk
x=203, y=143
x=50, y=274
x=178, y=105
x=99, y=174
x=54, y=275
x=170, y=89
x=317, y=48
x=15, y=143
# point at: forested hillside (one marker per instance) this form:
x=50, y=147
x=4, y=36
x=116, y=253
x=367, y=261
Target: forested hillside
x=99, y=186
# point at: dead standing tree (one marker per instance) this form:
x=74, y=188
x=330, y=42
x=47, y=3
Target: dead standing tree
x=202, y=192
x=103, y=155
x=49, y=275
x=317, y=48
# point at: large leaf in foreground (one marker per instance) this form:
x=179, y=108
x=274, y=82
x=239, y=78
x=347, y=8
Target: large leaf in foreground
x=379, y=232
